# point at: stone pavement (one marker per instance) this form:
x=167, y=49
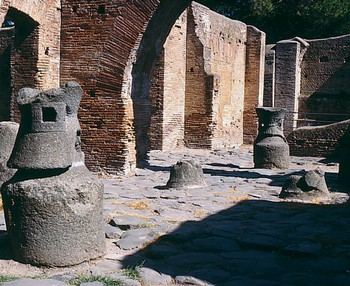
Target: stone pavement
x=234, y=231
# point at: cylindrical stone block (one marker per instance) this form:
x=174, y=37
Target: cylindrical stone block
x=55, y=220
x=271, y=150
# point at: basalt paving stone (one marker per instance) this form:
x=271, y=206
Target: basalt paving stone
x=244, y=281
x=212, y=244
x=234, y=231
x=211, y=274
x=189, y=259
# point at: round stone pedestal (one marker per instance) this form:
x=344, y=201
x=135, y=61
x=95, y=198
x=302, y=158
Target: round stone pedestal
x=271, y=150
x=56, y=220
x=271, y=153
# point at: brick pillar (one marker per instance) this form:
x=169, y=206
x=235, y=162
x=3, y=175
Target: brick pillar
x=286, y=86
x=269, y=78
x=289, y=54
x=254, y=80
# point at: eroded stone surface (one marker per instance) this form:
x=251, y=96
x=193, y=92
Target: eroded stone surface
x=310, y=186
x=187, y=174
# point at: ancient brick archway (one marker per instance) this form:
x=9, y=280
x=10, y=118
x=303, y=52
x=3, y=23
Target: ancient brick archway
x=150, y=47
x=31, y=48
x=110, y=49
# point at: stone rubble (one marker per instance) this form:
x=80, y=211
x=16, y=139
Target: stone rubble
x=234, y=231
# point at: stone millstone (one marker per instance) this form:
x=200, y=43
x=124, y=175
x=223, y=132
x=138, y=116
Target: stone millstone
x=271, y=150
x=311, y=186
x=55, y=220
x=187, y=174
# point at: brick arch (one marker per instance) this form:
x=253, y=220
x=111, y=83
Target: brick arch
x=41, y=42
x=150, y=47
x=101, y=43
x=36, y=10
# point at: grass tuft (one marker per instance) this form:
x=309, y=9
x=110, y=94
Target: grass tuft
x=106, y=281
x=133, y=272
x=7, y=278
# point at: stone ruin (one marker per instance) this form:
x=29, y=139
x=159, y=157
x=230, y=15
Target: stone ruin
x=271, y=150
x=8, y=133
x=53, y=204
x=187, y=174
x=311, y=186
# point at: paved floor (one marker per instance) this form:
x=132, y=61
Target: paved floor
x=234, y=231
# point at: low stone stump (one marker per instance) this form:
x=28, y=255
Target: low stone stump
x=309, y=187
x=187, y=174
x=55, y=220
x=271, y=150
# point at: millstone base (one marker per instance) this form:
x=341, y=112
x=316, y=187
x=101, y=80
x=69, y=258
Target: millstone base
x=271, y=153
x=187, y=174
x=57, y=220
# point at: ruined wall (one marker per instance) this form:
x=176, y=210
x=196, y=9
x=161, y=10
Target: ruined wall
x=269, y=78
x=215, y=79
x=254, y=82
x=36, y=49
x=157, y=104
x=317, y=141
x=168, y=91
x=97, y=40
x=198, y=104
x=289, y=56
x=6, y=38
x=110, y=48
x=325, y=79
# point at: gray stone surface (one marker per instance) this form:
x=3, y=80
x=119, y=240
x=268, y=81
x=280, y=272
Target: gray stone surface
x=154, y=278
x=249, y=236
x=311, y=186
x=35, y=282
x=49, y=133
x=136, y=238
x=8, y=134
x=92, y=284
x=186, y=173
x=56, y=220
x=112, y=231
x=127, y=222
x=271, y=150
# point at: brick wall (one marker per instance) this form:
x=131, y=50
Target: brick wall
x=174, y=85
x=6, y=38
x=319, y=141
x=168, y=91
x=325, y=78
x=215, y=79
x=254, y=82
x=36, y=51
x=287, y=80
x=156, y=94
x=97, y=40
x=197, y=103
x=269, y=78
x=110, y=48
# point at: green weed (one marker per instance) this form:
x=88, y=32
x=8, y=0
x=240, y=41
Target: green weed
x=106, y=281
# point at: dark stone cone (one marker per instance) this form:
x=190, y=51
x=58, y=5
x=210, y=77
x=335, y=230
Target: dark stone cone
x=186, y=174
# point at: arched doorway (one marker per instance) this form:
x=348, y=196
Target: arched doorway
x=19, y=59
x=150, y=47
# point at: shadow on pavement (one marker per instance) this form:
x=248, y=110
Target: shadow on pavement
x=258, y=242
